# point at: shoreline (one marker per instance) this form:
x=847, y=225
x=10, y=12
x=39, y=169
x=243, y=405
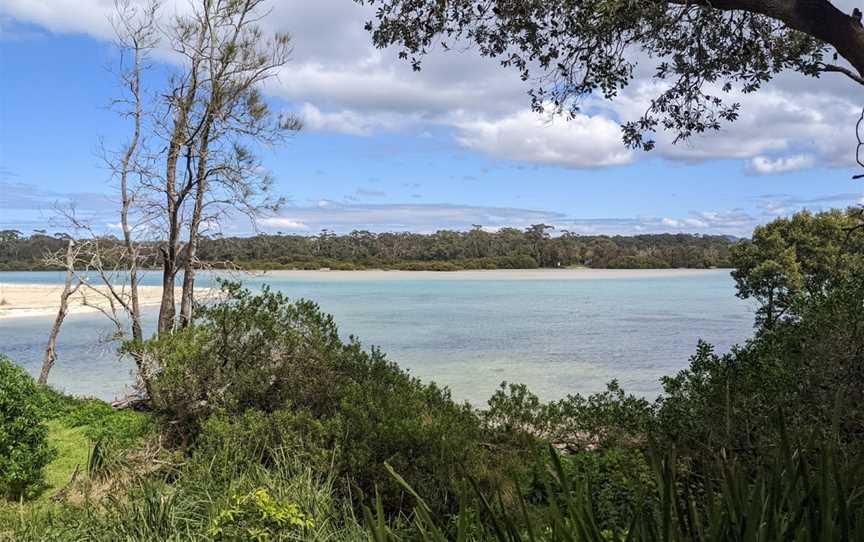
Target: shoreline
x=26, y=300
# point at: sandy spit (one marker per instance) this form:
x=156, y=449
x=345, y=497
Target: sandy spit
x=26, y=300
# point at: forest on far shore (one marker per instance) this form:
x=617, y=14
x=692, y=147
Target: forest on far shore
x=445, y=250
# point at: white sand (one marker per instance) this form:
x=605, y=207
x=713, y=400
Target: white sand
x=24, y=300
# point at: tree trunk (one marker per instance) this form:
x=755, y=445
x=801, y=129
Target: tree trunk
x=68, y=290
x=167, y=308
x=188, y=293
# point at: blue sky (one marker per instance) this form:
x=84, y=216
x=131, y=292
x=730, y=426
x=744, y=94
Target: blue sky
x=388, y=149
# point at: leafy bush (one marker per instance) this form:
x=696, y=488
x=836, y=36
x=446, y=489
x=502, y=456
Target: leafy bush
x=229, y=445
x=24, y=449
x=281, y=367
x=804, y=367
x=616, y=479
x=248, y=352
x=601, y=420
x=258, y=516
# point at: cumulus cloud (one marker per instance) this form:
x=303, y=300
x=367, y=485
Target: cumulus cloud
x=583, y=141
x=283, y=223
x=765, y=165
x=349, y=122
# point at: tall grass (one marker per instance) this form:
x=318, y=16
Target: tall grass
x=182, y=506
x=802, y=494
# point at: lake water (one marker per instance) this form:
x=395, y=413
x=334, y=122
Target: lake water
x=560, y=332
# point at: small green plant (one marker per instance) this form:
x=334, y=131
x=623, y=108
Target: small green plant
x=257, y=516
x=24, y=449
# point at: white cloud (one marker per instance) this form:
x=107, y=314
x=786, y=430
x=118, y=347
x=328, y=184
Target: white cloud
x=583, y=141
x=765, y=165
x=283, y=223
x=347, y=121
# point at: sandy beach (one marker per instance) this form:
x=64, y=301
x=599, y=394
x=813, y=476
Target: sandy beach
x=27, y=300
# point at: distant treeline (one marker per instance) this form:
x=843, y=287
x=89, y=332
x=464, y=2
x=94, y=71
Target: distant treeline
x=445, y=250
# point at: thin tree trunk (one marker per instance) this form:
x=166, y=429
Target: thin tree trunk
x=131, y=247
x=126, y=201
x=68, y=290
x=188, y=293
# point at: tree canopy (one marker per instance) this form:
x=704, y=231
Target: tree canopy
x=701, y=51
x=804, y=255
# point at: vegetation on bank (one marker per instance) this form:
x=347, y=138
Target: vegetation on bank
x=445, y=250
x=266, y=425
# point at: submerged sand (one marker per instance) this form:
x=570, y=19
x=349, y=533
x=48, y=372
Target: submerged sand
x=25, y=300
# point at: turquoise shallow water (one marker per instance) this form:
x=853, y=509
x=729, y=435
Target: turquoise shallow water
x=557, y=336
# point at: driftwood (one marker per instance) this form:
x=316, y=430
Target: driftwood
x=132, y=402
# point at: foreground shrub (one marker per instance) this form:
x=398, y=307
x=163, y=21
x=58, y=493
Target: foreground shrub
x=281, y=370
x=228, y=446
x=804, y=367
x=258, y=516
x=24, y=449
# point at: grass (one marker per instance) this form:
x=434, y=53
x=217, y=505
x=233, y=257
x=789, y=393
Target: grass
x=73, y=448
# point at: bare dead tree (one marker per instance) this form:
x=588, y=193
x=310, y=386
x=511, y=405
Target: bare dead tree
x=108, y=283
x=105, y=272
x=70, y=286
x=136, y=36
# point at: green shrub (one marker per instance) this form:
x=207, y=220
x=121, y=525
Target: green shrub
x=249, y=352
x=258, y=516
x=229, y=445
x=601, y=420
x=24, y=449
x=281, y=369
x=617, y=480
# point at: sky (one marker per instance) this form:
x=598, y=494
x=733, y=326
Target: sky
x=387, y=149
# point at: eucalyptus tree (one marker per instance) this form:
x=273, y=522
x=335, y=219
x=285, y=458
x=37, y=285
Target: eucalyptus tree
x=211, y=117
x=699, y=49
